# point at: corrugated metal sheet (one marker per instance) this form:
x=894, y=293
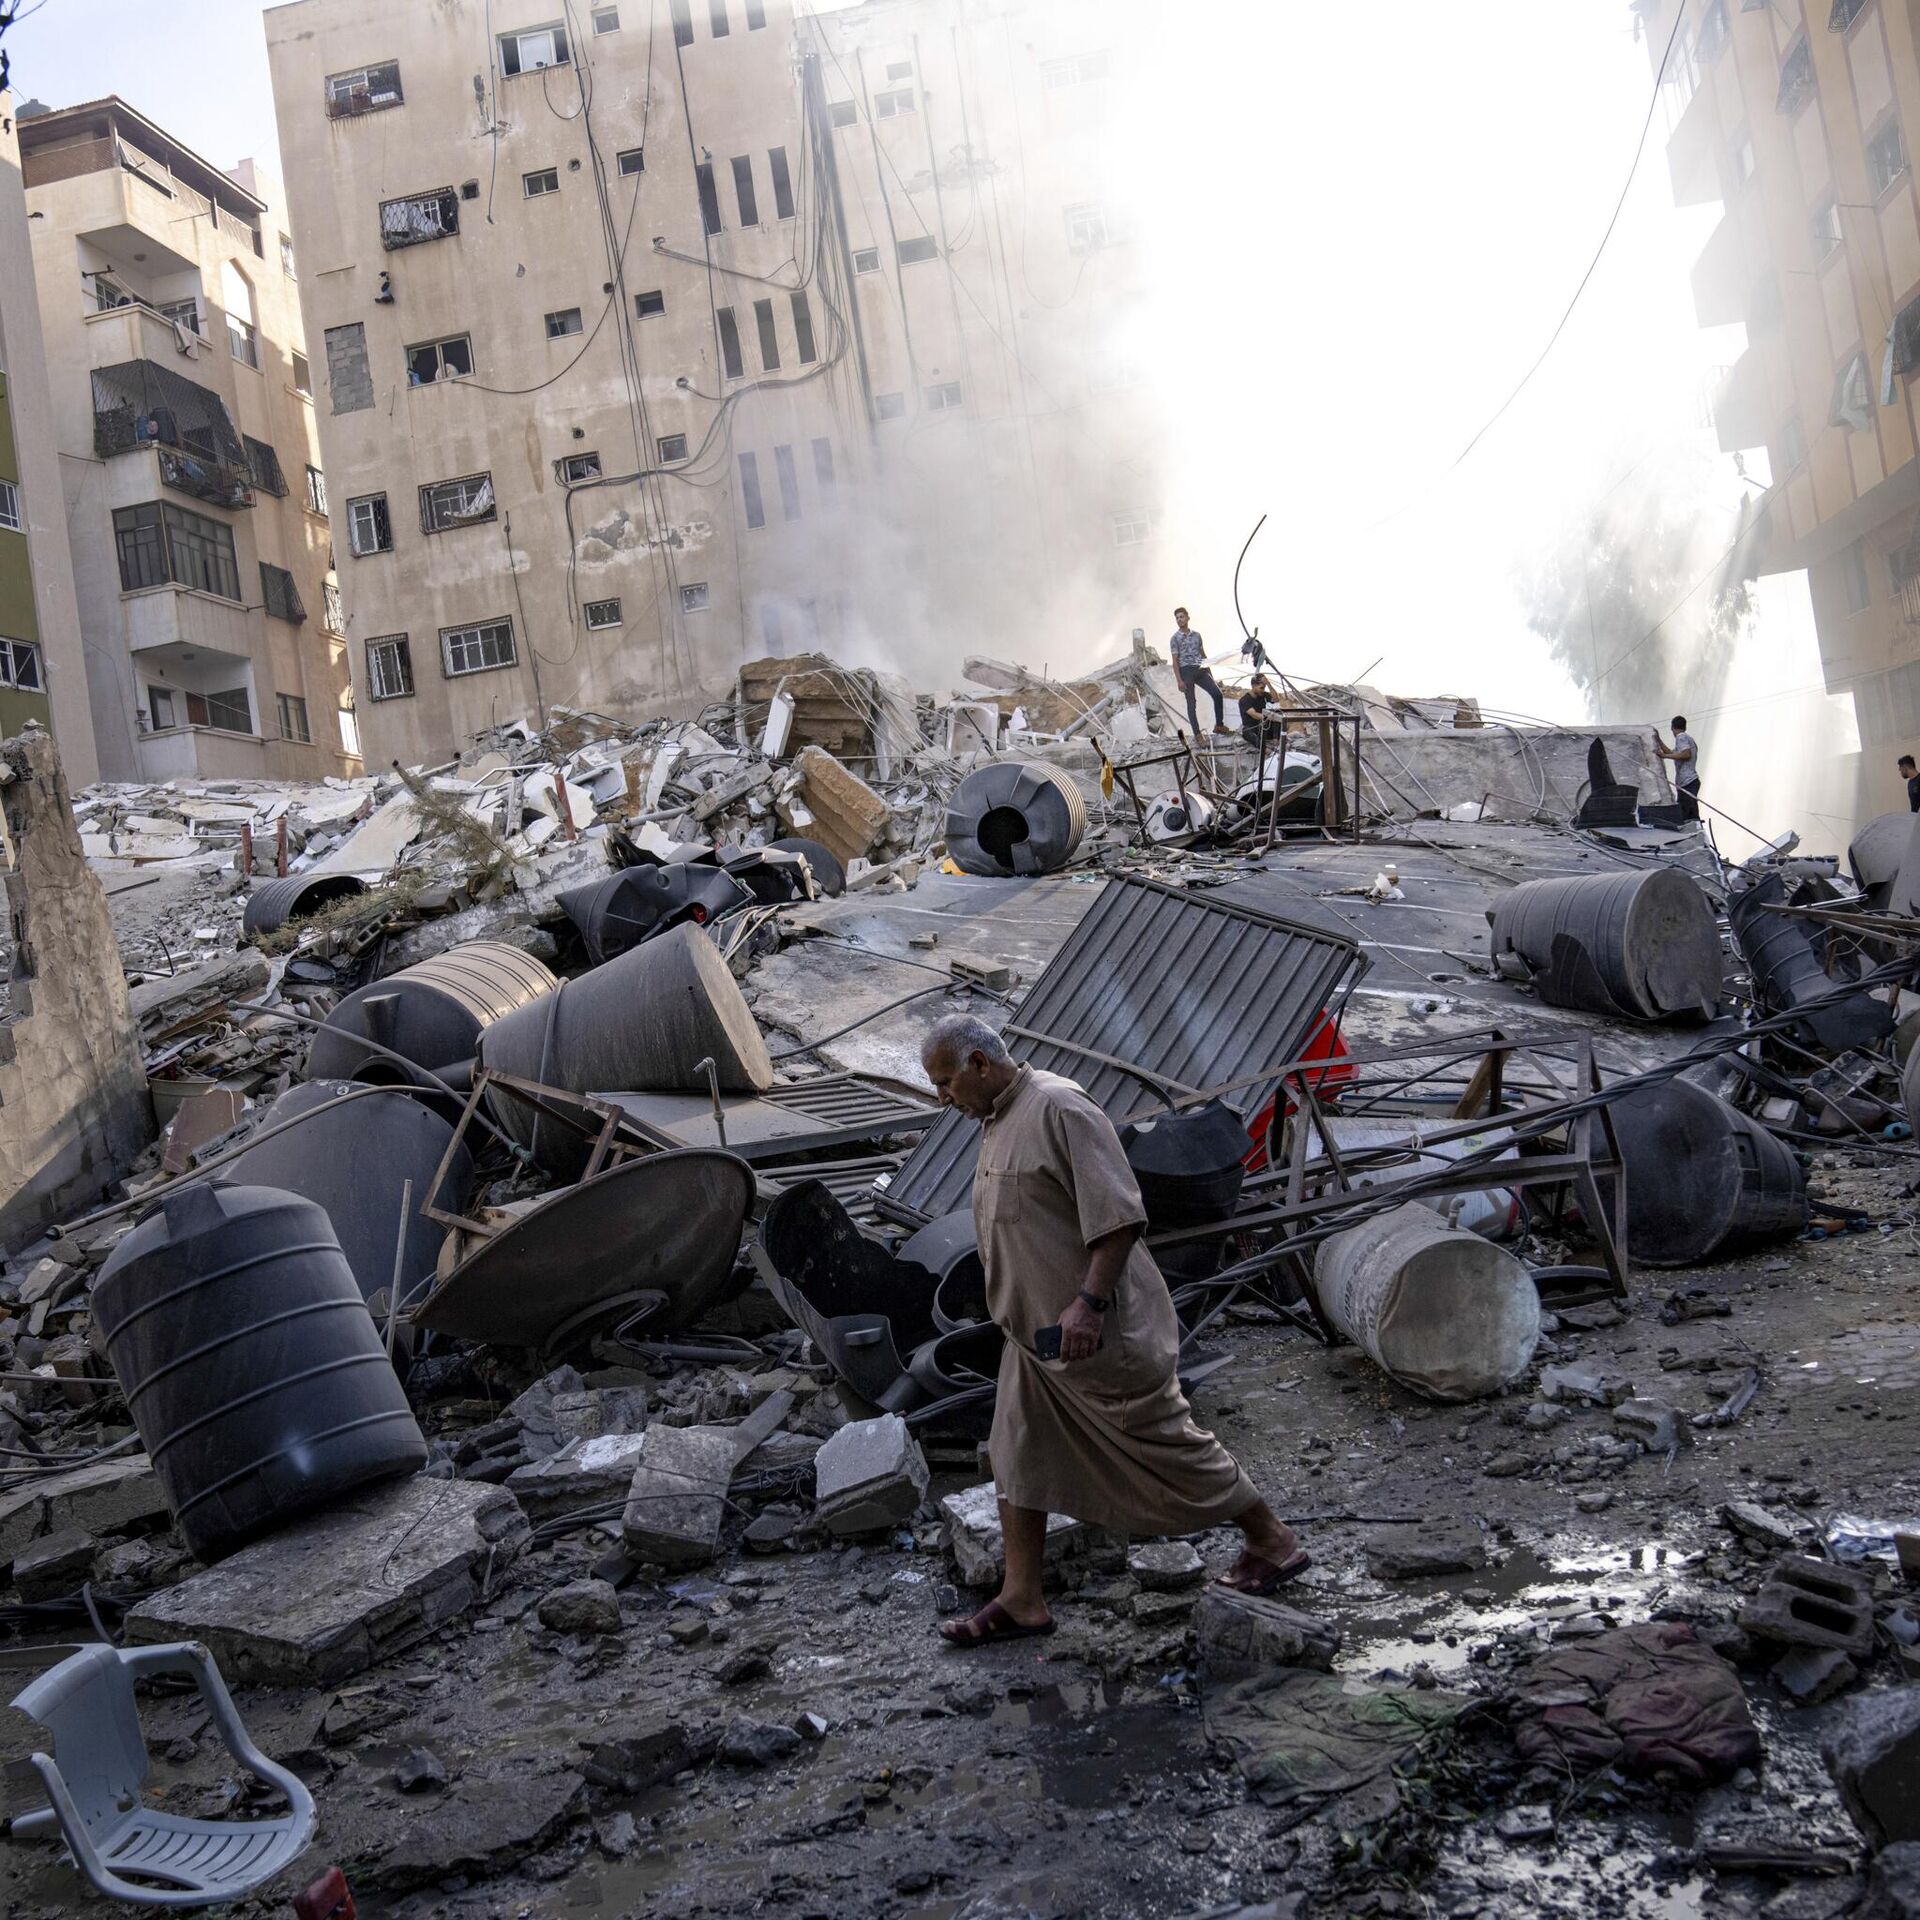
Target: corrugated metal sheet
x=1191, y=988
x=838, y=1110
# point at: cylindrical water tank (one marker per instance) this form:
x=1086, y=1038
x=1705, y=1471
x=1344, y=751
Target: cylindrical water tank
x=353, y=1161
x=642, y=1022
x=1876, y=853
x=1643, y=945
x=1190, y=1165
x=295, y=895
x=1788, y=974
x=1444, y=1312
x=1014, y=817
x=617, y=913
x=434, y=1012
x=1702, y=1178
x=250, y=1363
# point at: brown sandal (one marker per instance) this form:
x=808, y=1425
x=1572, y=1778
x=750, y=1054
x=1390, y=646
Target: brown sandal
x=992, y=1622
x=1262, y=1577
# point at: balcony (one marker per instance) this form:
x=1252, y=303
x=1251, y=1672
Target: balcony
x=1752, y=399
x=1731, y=263
x=138, y=404
x=1692, y=152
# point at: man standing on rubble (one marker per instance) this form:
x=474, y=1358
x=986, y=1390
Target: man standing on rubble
x=1190, y=665
x=1103, y=1433
x=1685, y=755
x=1910, y=773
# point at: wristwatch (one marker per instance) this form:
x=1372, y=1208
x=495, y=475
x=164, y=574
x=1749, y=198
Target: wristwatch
x=1099, y=1303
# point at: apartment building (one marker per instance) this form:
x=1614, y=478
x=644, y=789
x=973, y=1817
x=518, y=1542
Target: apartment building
x=42, y=676
x=654, y=340
x=182, y=413
x=1799, y=118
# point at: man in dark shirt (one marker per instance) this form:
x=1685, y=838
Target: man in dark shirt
x=1910, y=773
x=1253, y=710
x=1190, y=665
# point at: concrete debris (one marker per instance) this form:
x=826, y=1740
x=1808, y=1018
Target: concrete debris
x=677, y=1495
x=1167, y=1566
x=1872, y=1750
x=583, y=1473
x=581, y=1607
x=869, y=1475
x=1811, y=1603
x=1415, y=1553
x=1240, y=1633
x=971, y=1526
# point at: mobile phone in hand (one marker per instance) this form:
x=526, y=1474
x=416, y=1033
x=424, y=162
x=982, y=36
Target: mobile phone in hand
x=1046, y=1343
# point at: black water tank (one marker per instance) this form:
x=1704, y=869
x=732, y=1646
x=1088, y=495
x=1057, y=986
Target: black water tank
x=250, y=1363
x=272, y=904
x=1787, y=973
x=630, y=906
x=1190, y=1165
x=1014, y=816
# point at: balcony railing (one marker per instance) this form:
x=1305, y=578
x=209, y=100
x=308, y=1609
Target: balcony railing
x=142, y=404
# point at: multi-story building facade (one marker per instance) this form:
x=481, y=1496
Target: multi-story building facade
x=196, y=503
x=1799, y=117
x=41, y=673
x=653, y=340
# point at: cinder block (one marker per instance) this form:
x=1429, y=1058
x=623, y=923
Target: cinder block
x=678, y=1496
x=1810, y=1603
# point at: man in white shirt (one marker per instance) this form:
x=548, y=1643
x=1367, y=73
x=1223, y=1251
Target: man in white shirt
x=1685, y=755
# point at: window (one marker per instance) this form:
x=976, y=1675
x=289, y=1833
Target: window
x=477, y=649
x=1740, y=158
x=1903, y=566
x=693, y=597
x=633, y=160
x=533, y=48
x=944, y=396
x=750, y=491
x=231, y=711
x=1845, y=13
x=160, y=708
x=1714, y=32
x=349, y=726
x=602, y=613
x=263, y=467
x=1075, y=70
x=1793, y=443
x=782, y=183
x=465, y=502
x=1132, y=529
x=866, y=260
x=158, y=543
x=1852, y=404
x=843, y=113
x=743, y=190
x=1886, y=158
x=390, y=667
x=563, y=323
x=890, y=406
x=417, y=218
x=709, y=196
x=802, y=328
x=923, y=247
x=730, y=343
x=756, y=16
x=363, y=90
x=649, y=305
x=577, y=468
x=717, y=18
x=183, y=313
x=286, y=257
x=1087, y=228
x=682, y=23
x=369, y=526
x=280, y=596
x=899, y=69
x=331, y=616
x=606, y=19
x=789, y=482
x=892, y=103
x=823, y=462
x=316, y=491
x=293, y=718
x=769, y=337
x=541, y=180
x=243, y=342
x=302, y=376
x=1823, y=228
x=671, y=447
x=20, y=665
x=1906, y=338
x=1796, y=77
x=10, y=508
x=435, y=360
x=1855, y=578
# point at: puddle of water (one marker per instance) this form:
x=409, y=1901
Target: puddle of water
x=1066, y=1700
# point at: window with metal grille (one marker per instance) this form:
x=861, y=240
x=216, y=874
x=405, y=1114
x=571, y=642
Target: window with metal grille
x=158, y=543
x=843, y=113
x=606, y=19
x=541, y=180
x=709, y=196
x=1886, y=157
x=603, y=613
x=243, y=342
x=649, y=305
x=390, y=667
x=316, y=491
x=769, y=335
x=1906, y=338
x=920, y=247
x=1087, y=228
x=890, y=406
x=894, y=102
x=743, y=190
x=671, y=447
x=802, y=328
x=230, y=711
x=1845, y=13
x=369, y=525
x=263, y=464
x=693, y=597
x=943, y=395
x=280, y=596
x=416, y=218
x=293, y=718
x=332, y=618
x=750, y=491
x=782, y=183
x=20, y=665
x=682, y=11
x=533, y=48
x=632, y=160
x=465, y=502
x=10, y=508
x=730, y=359
x=866, y=259
x=789, y=482
x=566, y=321
x=823, y=462
x=363, y=90
x=577, y=467
x=479, y=648
x=433, y=360
x=1796, y=77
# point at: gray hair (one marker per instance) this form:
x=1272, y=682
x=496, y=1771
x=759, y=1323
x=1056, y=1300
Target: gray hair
x=961, y=1034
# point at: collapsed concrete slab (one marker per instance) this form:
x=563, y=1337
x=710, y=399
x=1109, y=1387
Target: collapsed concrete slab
x=849, y=818
x=678, y=1496
x=105, y=1497
x=329, y=1597
x=1873, y=1753
x=869, y=1475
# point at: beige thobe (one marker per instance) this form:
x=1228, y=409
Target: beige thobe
x=1110, y=1439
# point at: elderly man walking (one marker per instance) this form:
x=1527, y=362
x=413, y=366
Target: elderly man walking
x=1103, y=1433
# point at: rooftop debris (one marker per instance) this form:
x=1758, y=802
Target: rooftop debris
x=630, y=1332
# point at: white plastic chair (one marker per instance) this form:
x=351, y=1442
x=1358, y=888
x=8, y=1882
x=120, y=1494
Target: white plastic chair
x=98, y=1767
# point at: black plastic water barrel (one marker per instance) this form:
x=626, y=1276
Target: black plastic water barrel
x=1787, y=973
x=615, y=914
x=295, y=895
x=1876, y=852
x=1703, y=1180
x=949, y=1249
x=250, y=1363
x=1190, y=1165
x=1014, y=817
x=434, y=1013
x=1643, y=946
x=353, y=1161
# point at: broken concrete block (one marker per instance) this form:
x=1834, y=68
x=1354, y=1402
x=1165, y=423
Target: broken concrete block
x=106, y=1497
x=647, y=1755
x=584, y=1473
x=871, y=1474
x=1167, y=1566
x=1154, y=1610
x=1434, y=1547
x=1893, y=1885
x=1755, y=1522
x=1873, y=1752
x=757, y=1743
x=678, y=1495
x=581, y=1606
x=1812, y=1603
x=1239, y=1633
x=1596, y=1386
x=1810, y=1675
x=849, y=818
x=55, y=1564
x=972, y=1528
x=332, y=1594
x=1657, y=1426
